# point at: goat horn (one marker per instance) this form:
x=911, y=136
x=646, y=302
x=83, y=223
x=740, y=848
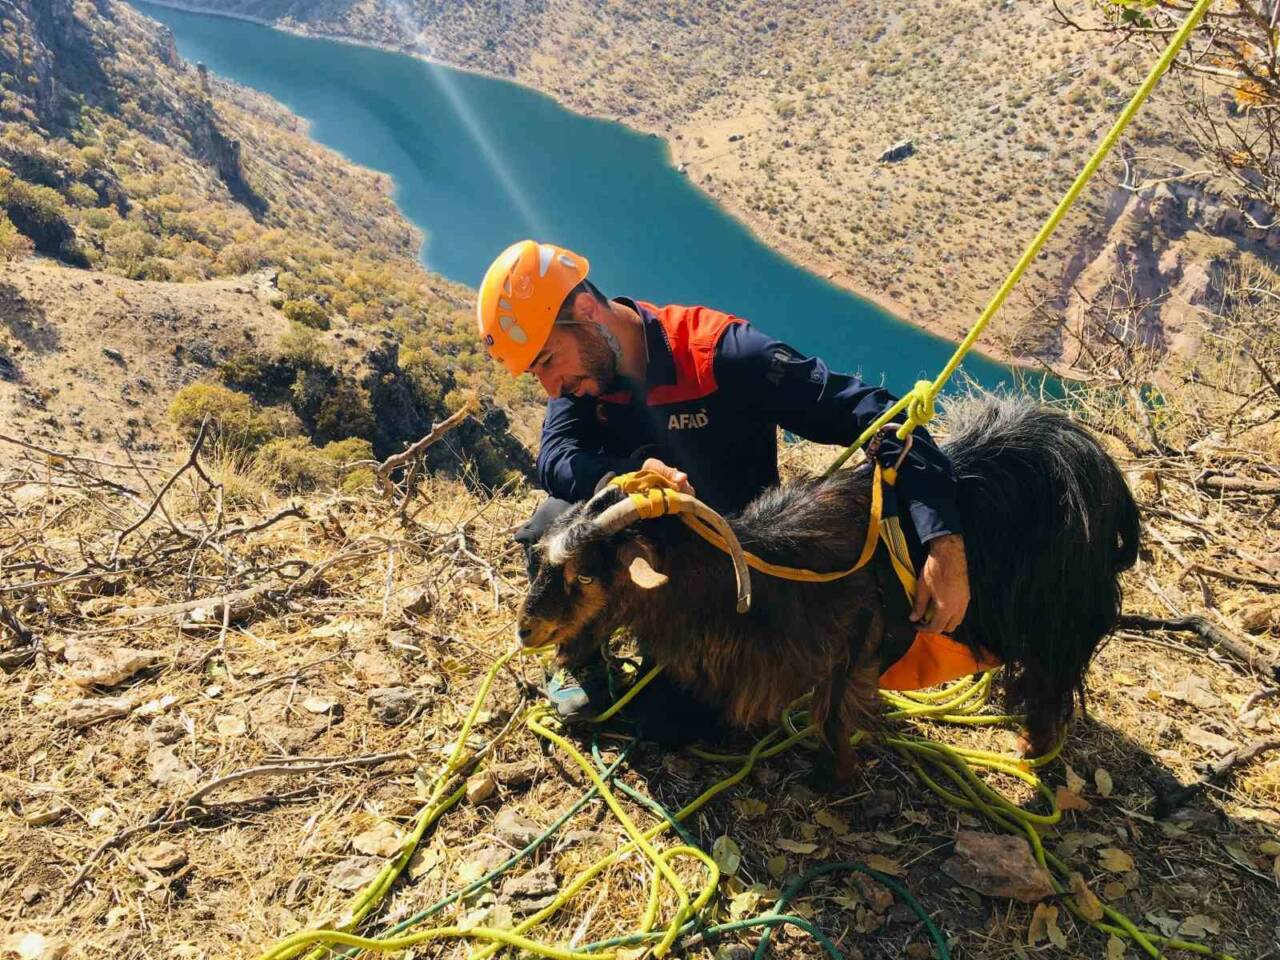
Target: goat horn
x=621, y=514
x=740, y=572
x=625, y=512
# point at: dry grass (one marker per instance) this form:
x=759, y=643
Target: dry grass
x=427, y=606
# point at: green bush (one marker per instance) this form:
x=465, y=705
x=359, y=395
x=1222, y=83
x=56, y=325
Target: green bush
x=256, y=373
x=308, y=313
x=231, y=415
x=13, y=245
x=302, y=348
x=294, y=464
x=345, y=412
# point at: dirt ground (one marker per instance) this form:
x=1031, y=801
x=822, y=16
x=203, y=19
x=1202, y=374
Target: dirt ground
x=180, y=785
x=92, y=359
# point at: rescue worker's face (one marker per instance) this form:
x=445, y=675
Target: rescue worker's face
x=576, y=362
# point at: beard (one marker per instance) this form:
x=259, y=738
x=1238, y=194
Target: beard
x=598, y=360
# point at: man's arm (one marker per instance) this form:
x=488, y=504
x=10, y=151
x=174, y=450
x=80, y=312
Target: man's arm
x=571, y=460
x=807, y=398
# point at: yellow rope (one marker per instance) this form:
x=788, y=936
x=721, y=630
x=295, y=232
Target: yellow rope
x=919, y=401
x=958, y=702
x=655, y=496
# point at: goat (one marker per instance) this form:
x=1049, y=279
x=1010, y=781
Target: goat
x=1049, y=524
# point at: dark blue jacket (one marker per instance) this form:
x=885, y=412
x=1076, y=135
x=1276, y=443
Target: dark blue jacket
x=716, y=391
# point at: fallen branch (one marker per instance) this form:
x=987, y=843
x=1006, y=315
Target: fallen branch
x=414, y=449
x=1175, y=800
x=277, y=770
x=1220, y=484
x=1206, y=631
x=191, y=463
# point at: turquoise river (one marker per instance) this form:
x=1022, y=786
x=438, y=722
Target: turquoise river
x=480, y=162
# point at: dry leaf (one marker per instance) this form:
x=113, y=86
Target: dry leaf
x=1196, y=691
x=1208, y=740
x=1197, y=925
x=380, y=841
x=794, y=846
x=1102, y=779
x=1069, y=800
x=1115, y=860
x=777, y=866
x=1044, y=925
x=317, y=705
x=727, y=855
x=1270, y=847
x=1115, y=948
x=749, y=807
x=877, y=862
x=1075, y=782
x=1088, y=905
x=1166, y=925
x=745, y=903
x=1114, y=890
x=833, y=823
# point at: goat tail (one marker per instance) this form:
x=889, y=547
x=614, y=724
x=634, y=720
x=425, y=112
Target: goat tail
x=1049, y=524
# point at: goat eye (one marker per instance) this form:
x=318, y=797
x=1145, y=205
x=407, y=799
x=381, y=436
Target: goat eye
x=584, y=579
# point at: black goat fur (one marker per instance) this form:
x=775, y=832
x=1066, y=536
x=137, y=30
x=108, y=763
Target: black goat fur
x=1049, y=524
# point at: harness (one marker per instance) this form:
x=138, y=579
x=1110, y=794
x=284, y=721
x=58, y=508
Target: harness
x=925, y=659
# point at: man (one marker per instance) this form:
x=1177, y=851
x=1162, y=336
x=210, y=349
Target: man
x=697, y=395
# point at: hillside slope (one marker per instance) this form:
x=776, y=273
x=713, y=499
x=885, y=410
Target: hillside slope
x=119, y=157
x=781, y=112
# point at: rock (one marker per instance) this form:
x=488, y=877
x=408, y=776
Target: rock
x=166, y=769
x=115, y=356
x=36, y=946
x=481, y=787
x=31, y=893
x=1258, y=616
x=538, y=882
x=95, y=664
x=321, y=706
x=394, y=705
x=354, y=873
x=517, y=830
x=83, y=713
x=165, y=730
x=531, y=891
x=519, y=773
x=735, y=137
x=997, y=866
x=899, y=151
x=375, y=669
x=162, y=857
x=877, y=806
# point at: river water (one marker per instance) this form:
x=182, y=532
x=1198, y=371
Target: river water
x=480, y=162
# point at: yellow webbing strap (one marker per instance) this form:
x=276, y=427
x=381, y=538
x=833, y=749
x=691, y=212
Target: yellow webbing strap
x=654, y=496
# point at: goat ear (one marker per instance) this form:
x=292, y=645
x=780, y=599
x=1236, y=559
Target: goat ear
x=637, y=556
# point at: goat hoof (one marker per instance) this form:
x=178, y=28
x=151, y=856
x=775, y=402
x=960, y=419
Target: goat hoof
x=1029, y=748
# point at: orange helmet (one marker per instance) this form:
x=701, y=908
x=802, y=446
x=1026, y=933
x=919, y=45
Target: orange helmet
x=519, y=298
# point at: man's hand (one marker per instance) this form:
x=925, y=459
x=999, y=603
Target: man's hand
x=678, y=477
x=942, y=592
